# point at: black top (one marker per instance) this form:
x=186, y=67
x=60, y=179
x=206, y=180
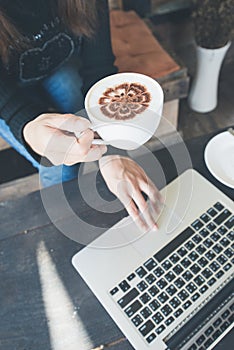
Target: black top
x=51, y=44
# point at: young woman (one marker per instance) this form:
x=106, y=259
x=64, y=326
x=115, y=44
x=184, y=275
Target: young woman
x=51, y=52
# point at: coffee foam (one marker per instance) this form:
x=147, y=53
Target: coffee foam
x=124, y=101
x=144, y=104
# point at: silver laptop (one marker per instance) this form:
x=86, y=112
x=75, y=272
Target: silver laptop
x=171, y=289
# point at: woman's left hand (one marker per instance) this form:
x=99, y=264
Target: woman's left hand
x=127, y=180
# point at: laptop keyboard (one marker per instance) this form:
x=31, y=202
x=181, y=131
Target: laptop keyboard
x=171, y=281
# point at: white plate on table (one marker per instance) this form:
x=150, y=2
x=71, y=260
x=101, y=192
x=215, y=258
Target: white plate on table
x=219, y=158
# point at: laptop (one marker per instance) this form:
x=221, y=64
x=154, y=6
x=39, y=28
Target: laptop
x=171, y=289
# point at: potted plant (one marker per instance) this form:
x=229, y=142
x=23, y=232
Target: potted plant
x=213, y=22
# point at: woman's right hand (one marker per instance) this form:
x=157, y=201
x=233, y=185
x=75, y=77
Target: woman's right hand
x=53, y=136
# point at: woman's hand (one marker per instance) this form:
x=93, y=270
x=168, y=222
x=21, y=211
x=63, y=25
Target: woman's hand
x=127, y=180
x=53, y=136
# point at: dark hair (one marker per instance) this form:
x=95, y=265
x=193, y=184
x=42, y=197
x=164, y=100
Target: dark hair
x=78, y=15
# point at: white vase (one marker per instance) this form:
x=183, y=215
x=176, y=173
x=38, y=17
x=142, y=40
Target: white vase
x=203, y=95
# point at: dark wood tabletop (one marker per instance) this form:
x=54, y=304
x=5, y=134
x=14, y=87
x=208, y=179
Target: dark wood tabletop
x=44, y=302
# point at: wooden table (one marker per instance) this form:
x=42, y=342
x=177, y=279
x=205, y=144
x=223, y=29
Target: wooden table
x=44, y=302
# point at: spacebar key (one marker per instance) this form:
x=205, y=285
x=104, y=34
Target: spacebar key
x=175, y=243
x=127, y=298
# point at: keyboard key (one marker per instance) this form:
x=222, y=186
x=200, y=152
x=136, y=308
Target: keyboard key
x=142, y=286
x=229, y=252
x=224, y=326
x=195, y=269
x=185, y=263
x=158, y=272
x=174, y=302
x=153, y=291
x=202, y=262
x=231, y=235
x=199, y=280
x=166, y=265
x=217, y=248
x=171, y=290
x=230, y=223
x=191, y=287
x=222, y=217
x=146, y=312
x=178, y=312
x=209, y=331
x=201, y=249
x=124, y=286
x=170, y=276
x=215, y=236
x=154, y=305
x=182, y=251
x=174, y=258
x=133, y=308
x=145, y=298
x=163, y=297
x=158, y=317
x=146, y=328
x=211, y=226
x=218, y=206
x=208, y=343
x=178, y=269
x=131, y=277
x=210, y=255
x=212, y=212
x=219, y=274
x=137, y=320
x=195, y=297
x=222, y=259
x=183, y=295
x=150, y=264
x=204, y=233
x=127, y=298
x=187, y=276
x=189, y=245
x=197, y=239
x=166, y=310
x=193, y=256
x=141, y=272
x=114, y=291
x=205, y=218
x=208, y=243
x=193, y=347
x=207, y=273
x=150, y=278
x=162, y=283
x=222, y=230
x=200, y=340
x=227, y=267
x=187, y=304
x=211, y=281
x=179, y=283
x=160, y=329
x=169, y=321
x=197, y=224
x=217, y=322
x=174, y=244
x=214, y=266
x=225, y=314
x=216, y=334
x=151, y=338
x=203, y=289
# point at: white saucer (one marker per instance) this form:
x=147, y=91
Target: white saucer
x=219, y=158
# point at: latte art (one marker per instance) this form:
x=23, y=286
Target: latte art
x=124, y=101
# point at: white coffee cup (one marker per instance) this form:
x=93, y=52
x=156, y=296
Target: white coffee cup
x=125, y=109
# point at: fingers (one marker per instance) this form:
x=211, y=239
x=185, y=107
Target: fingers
x=134, y=213
x=145, y=210
x=155, y=197
x=68, y=122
